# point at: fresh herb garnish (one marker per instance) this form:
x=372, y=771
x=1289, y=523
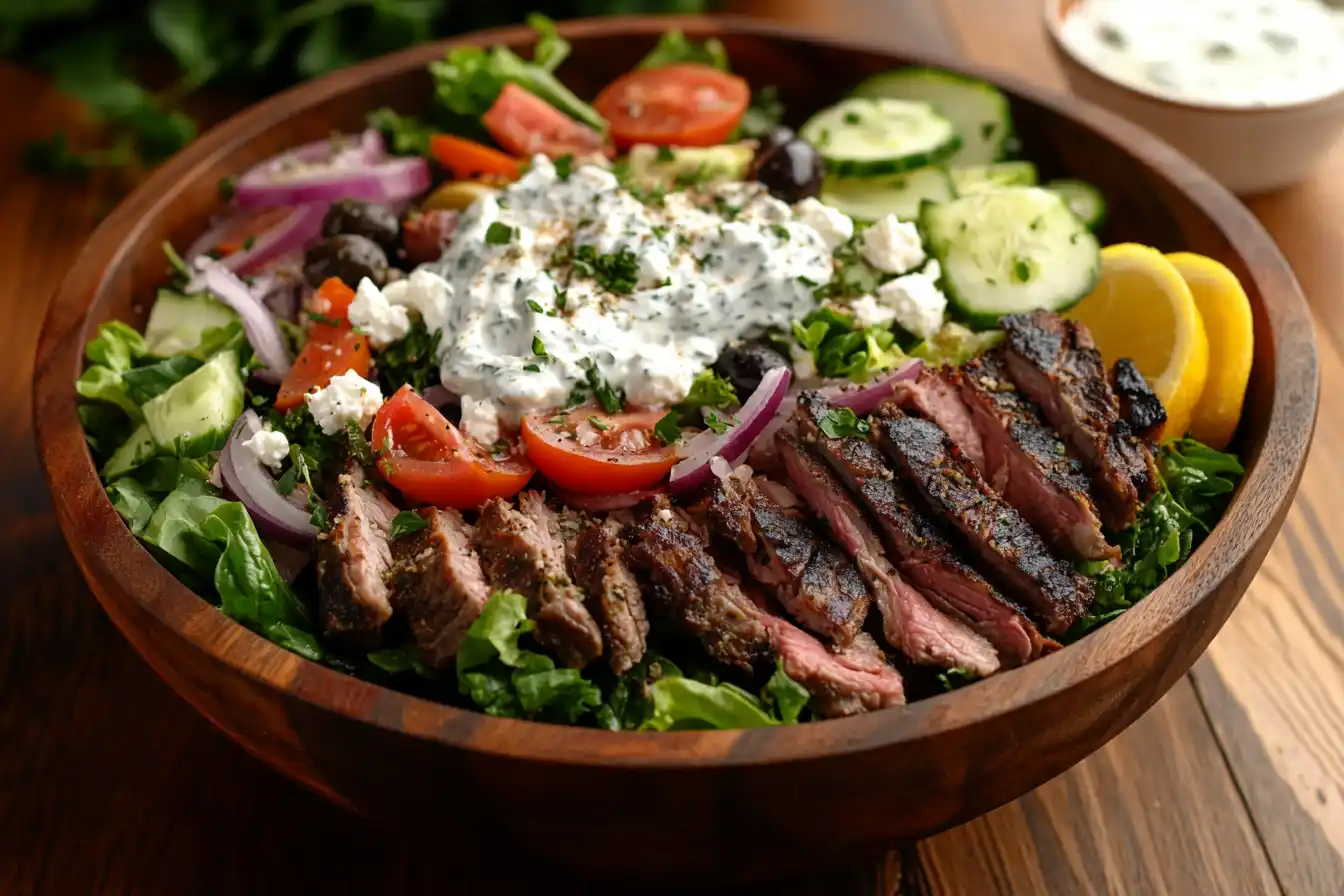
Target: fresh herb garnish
x=410, y=361
x=765, y=113
x=665, y=154
x=598, y=424
x=780, y=231
x=532, y=368
x=708, y=390
x=539, y=347
x=668, y=429
x=956, y=677
x=227, y=187
x=498, y=234
x=610, y=398
x=535, y=306
x=564, y=166
x=838, y=423
x=716, y=423
x=616, y=272
x=180, y=268
x=561, y=298
x=404, y=523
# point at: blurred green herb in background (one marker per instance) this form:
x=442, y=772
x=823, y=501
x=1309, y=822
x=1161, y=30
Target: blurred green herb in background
x=135, y=63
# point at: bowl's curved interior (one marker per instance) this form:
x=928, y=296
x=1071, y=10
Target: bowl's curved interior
x=1155, y=197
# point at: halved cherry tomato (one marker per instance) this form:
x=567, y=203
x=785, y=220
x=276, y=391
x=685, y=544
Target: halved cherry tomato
x=468, y=159
x=525, y=124
x=678, y=105
x=428, y=460
x=333, y=347
x=594, y=453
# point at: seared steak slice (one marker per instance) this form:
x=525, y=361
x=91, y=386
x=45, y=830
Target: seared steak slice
x=689, y=591
x=934, y=396
x=813, y=579
x=613, y=594
x=521, y=551
x=910, y=623
x=1056, y=364
x=437, y=583
x=924, y=557
x=995, y=531
x=352, y=559
x=1028, y=464
x=1140, y=408
x=856, y=679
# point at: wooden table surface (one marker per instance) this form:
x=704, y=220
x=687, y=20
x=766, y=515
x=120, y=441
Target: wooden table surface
x=1232, y=784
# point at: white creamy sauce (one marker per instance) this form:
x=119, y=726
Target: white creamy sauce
x=1218, y=52
x=711, y=269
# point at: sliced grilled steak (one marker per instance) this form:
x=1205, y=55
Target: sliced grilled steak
x=910, y=623
x=1004, y=541
x=857, y=679
x=1027, y=463
x=934, y=396
x=437, y=583
x=1056, y=364
x=352, y=559
x=612, y=592
x=924, y=557
x=1140, y=408
x=689, y=591
x=522, y=551
x=812, y=578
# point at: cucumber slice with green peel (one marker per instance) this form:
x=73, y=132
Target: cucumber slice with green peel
x=978, y=111
x=868, y=199
x=1010, y=251
x=706, y=164
x=138, y=448
x=982, y=178
x=197, y=412
x=875, y=137
x=1083, y=199
x=177, y=322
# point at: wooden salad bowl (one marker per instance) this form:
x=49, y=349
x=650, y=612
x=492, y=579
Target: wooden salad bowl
x=722, y=804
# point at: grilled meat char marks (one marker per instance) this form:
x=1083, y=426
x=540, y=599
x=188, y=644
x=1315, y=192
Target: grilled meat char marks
x=812, y=578
x=1004, y=541
x=934, y=396
x=437, y=583
x=522, y=550
x=1028, y=463
x=910, y=623
x=924, y=557
x=1056, y=364
x=1140, y=408
x=352, y=559
x=613, y=594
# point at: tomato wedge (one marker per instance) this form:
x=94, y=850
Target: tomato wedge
x=593, y=453
x=428, y=460
x=332, y=301
x=678, y=105
x=525, y=124
x=467, y=159
x=333, y=347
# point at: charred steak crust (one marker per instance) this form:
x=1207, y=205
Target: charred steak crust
x=352, y=559
x=612, y=592
x=1007, y=545
x=520, y=551
x=1140, y=408
x=437, y=583
x=934, y=396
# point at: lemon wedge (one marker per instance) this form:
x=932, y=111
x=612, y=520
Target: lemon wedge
x=1226, y=314
x=1143, y=310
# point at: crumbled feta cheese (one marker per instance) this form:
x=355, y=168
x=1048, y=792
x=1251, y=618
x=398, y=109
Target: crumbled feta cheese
x=834, y=227
x=893, y=246
x=654, y=267
x=804, y=365
x=270, y=447
x=480, y=420
x=383, y=322
x=867, y=313
x=916, y=302
x=425, y=293
x=348, y=398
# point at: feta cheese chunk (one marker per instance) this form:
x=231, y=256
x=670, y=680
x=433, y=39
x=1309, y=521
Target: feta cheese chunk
x=269, y=446
x=893, y=246
x=348, y=398
x=425, y=293
x=371, y=312
x=867, y=313
x=916, y=302
x=834, y=227
x=480, y=420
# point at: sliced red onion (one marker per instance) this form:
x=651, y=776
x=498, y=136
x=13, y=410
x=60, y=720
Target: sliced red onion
x=865, y=399
x=603, y=503
x=262, y=331
x=290, y=235
x=248, y=481
x=734, y=444
x=322, y=172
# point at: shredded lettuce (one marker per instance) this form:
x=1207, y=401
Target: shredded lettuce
x=116, y=347
x=839, y=349
x=954, y=345
x=674, y=48
x=656, y=695
x=708, y=391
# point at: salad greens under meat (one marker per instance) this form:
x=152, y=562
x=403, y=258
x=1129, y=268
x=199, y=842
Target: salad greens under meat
x=650, y=412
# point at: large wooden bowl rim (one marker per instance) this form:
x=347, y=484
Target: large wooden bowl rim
x=107, y=552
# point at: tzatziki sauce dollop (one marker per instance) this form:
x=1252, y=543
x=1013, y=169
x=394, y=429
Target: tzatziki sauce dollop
x=559, y=274
x=1236, y=53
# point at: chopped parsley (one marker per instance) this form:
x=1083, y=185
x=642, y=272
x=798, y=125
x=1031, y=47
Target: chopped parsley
x=610, y=398
x=598, y=424
x=837, y=423
x=716, y=423
x=318, y=317
x=853, y=118
x=561, y=298
x=404, y=523
x=668, y=429
x=227, y=187
x=665, y=154
x=532, y=368
x=1022, y=269
x=410, y=361
x=498, y=233
x=780, y=231
x=708, y=390
x=659, y=231
x=539, y=347
x=564, y=166
x=616, y=272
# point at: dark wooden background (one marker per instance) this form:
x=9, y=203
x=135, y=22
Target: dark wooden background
x=1232, y=784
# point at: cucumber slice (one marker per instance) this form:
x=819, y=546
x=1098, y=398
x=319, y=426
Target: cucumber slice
x=707, y=164
x=1083, y=199
x=138, y=448
x=978, y=111
x=177, y=322
x=874, y=137
x=1010, y=251
x=983, y=178
x=195, y=415
x=899, y=195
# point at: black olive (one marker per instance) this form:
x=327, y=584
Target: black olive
x=347, y=256
x=744, y=365
x=772, y=140
x=375, y=222
x=792, y=171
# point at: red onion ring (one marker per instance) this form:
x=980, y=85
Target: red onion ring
x=865, y=399
x=248, y=481
x=292, y=234
x=258, y=323
x=322, y=173
x=734, y=444
x=602, y=503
